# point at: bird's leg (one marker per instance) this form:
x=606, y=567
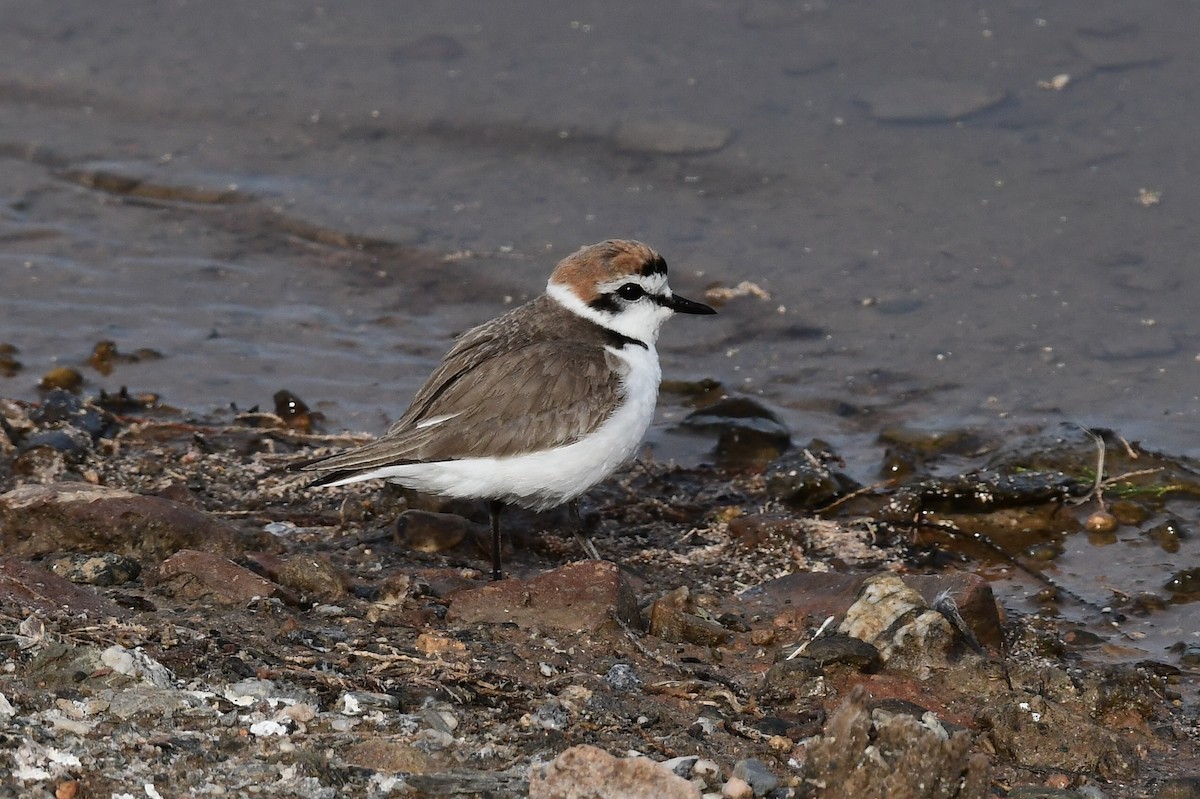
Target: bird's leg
x=585, y=543
x=496, y=507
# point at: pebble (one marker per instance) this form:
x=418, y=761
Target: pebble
x=622, y=677
x=802, y=479
x=1184, y=581
x=385, y=755
x=682, y=766
x=737, y=788
x=1101, y=522
x=313, y=575
x=837, y=648
x=66, y=378
x=672, y=619
x=589, y=771
x=427, y=531
x=756, y=774
x=708, y=772
x=103, y=568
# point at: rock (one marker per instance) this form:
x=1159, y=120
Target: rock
x=386, y=755
x=79, y=517
x=757, y=775
x=33, y=588
x=1044, y=735
x=62, y=378
x=804, y=479
x=585, y=771
x=846, y=649
x=669, y=137
x=748, y=433
x=104, y=568
x=672, y=619
x=737, y=788
x=621, y=677
x=190, y=574
x=793, y=678
x=313, y=575
x=150, y=702
x=894, y=617
x=796, y=600
x=137, y=664
x=426, y=531
x=859, y=758
x=70, y=442
x=930, y=100
x=579, y=596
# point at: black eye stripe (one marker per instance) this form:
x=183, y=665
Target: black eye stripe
x=606, y=303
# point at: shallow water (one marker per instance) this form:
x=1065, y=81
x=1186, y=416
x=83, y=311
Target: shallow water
x=318, y=198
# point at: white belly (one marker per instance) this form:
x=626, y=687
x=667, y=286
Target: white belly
x=542, y=480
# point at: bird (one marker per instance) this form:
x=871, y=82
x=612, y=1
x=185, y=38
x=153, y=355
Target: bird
x=538, y=405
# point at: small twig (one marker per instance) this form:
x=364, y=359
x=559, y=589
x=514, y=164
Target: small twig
x=1111, y=481
x=853, y=494
x=1097, y=491
x=1133, y=456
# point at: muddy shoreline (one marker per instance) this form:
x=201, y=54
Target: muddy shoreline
x=177, y=610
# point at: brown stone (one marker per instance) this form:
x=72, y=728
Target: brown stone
x=426, y=531
x=580, y=596
x=586, y=771
x=192, y=575
x=313, y=575
x=33, y=588
x=672, y=619
x=389, y=756
x=80, y=517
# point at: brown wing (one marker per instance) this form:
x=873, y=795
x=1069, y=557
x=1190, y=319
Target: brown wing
x=502, y=396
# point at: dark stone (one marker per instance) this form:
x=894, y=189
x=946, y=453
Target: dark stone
x=845, y=649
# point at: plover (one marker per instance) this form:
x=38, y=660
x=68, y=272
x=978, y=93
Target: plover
x=536, y=406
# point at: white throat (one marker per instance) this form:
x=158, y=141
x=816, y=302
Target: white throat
x=641, y=321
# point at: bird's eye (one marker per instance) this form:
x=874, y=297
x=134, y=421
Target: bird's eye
x=631, y=291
